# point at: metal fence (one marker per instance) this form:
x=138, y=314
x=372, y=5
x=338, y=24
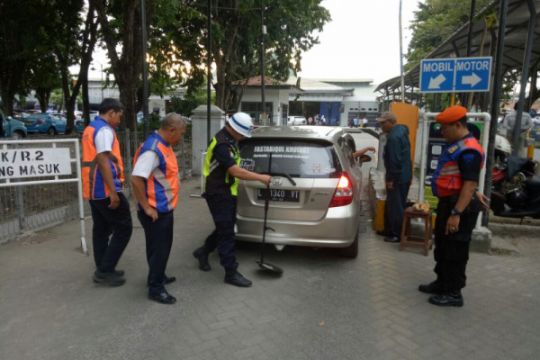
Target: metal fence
x=30, y=208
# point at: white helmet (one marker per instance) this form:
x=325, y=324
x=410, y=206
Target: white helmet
x=241, y=123
x=503, y=145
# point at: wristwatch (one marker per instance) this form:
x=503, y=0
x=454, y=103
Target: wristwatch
x=455, y=212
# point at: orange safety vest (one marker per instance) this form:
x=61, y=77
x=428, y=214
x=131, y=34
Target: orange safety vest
x=163, y=185
x=94, y=186
x=447, y=180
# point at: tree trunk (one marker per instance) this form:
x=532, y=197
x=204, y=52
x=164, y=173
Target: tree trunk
x=86, y=102
x=43, y=96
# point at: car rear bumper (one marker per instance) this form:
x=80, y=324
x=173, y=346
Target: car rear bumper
x=338, y=229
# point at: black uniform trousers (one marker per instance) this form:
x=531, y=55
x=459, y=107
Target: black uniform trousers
x=223, y=210
x=159, y=239
x=394, y=207
x=108, y=249
x=452, y=250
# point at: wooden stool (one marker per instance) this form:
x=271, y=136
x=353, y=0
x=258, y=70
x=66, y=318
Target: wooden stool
x=407, y=239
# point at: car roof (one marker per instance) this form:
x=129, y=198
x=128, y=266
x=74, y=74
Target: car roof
x=328, y=133
x=369, y=131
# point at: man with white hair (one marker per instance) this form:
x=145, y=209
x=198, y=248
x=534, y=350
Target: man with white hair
x=156, y=185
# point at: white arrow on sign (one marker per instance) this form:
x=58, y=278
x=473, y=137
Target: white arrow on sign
x=471, y=80
x=435, y=83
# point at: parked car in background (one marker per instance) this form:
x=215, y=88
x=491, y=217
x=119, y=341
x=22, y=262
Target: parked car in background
x=12, y=128
x=44, y=123
x=296, y=120
x=320, y=205
x=79, y=126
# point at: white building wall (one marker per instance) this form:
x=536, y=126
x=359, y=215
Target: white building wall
x=277, y=97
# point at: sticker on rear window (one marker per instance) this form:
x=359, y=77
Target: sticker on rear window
x=248, y=164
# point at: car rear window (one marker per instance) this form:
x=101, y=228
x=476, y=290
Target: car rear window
x=297, y=158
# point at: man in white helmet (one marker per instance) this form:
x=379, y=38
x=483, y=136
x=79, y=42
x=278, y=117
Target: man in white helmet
x=222, y=172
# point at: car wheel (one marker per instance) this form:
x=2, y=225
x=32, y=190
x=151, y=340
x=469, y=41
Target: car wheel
x=51, y=131
x=17, y=135
x=352, y=250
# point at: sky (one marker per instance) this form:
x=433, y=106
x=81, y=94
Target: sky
x=361, y=41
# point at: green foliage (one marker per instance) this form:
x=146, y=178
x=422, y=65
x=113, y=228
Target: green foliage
x=191, y=100
x=434, y=21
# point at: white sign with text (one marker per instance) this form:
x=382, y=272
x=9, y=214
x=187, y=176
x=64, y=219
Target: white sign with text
x=25, y=163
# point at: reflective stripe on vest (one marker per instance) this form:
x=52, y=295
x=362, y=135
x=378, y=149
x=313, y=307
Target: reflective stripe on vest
x=446, y=180
x=211, y=164
x=94, y=186
x=163, y=185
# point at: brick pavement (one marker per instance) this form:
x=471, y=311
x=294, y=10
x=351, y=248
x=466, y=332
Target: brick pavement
x=324, y=306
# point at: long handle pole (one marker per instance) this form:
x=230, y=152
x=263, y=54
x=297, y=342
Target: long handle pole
x=266, y=206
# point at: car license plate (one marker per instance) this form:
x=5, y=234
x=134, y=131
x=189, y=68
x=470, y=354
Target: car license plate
x=279, y=195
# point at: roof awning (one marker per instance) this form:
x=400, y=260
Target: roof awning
x=481, y=40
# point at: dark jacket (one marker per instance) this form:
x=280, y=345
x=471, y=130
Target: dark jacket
x=397, y=155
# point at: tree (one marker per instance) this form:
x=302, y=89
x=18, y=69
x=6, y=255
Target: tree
x=72, y=43
x=434, y=21
x=43, y=77
x=236, y=47
x=22, y=33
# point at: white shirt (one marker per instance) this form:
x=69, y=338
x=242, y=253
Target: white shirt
x=146, y=164
x=104, y=140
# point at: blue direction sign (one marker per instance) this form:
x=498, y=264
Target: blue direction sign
x=455, y=74
x=473, y=74
x=437, y=75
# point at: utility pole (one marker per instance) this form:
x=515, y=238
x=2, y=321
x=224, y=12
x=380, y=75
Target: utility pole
x=263, y=32
x=145, y=69
x=402, y=75
x=208, y=69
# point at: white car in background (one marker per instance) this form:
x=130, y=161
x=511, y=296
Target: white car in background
x=296, y=120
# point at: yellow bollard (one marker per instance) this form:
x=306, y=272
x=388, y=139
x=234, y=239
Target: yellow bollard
x=530, y=152
x=378, y=221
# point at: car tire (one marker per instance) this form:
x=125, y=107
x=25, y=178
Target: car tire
x=51, y=131
x=351, y=251
x=17, y=135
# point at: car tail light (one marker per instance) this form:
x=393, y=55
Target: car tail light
x=344, y=192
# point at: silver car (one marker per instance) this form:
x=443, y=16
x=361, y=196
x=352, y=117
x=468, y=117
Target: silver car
x=322, y=208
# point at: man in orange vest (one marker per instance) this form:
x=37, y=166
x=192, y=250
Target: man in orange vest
x=454, y=183
x=156, y=185
x=103, y=178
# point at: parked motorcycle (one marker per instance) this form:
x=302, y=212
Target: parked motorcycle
x=515, y=188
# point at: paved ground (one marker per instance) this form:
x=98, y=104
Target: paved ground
x=324, y=306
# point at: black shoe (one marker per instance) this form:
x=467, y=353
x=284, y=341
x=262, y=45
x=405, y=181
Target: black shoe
x=108, y=278
x=202, y=256
x=382, y=233
x=237, y=279
x=391, y=239
x=119, y=273
x=169, y=279
x=162, y=297
x=449, y=299
x=433, y=287
x=166, y=280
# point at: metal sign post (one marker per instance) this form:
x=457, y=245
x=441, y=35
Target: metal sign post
x=52, y=165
